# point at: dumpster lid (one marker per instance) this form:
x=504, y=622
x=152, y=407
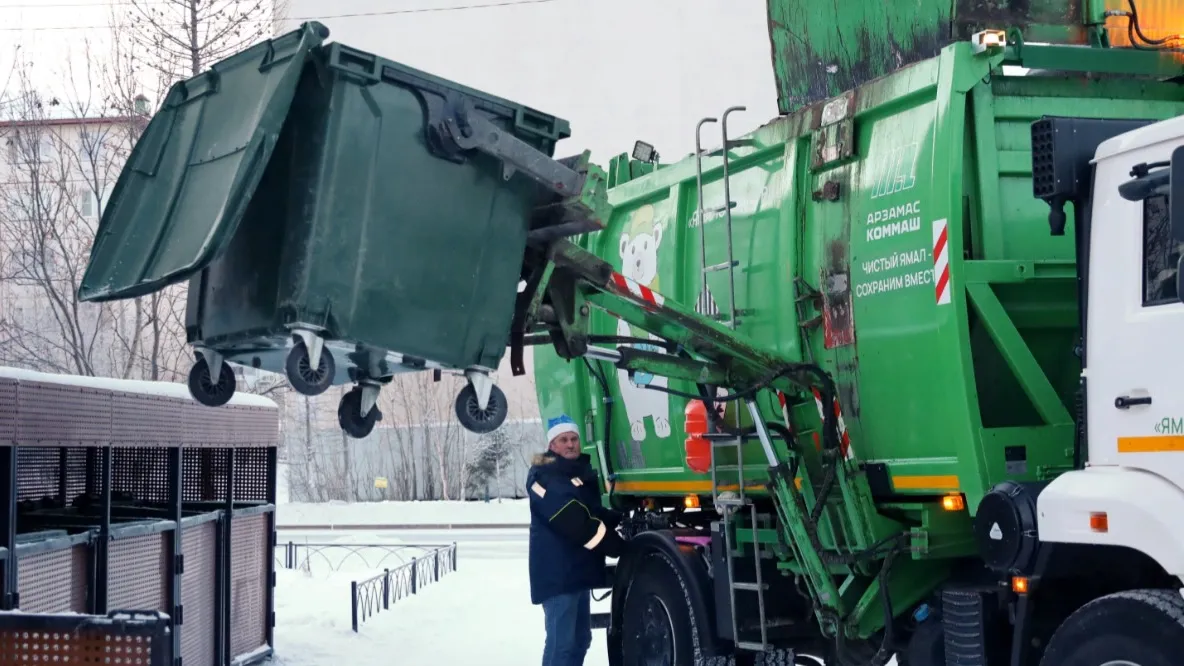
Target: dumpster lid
x=186, y=185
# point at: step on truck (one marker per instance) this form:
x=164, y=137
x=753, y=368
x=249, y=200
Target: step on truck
x=891, y=376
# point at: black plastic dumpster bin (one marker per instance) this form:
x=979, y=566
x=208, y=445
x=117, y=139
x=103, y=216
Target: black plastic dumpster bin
x=324, y=226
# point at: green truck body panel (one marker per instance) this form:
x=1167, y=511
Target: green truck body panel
x=819, y=51
x=947, y=382
x=347, y=219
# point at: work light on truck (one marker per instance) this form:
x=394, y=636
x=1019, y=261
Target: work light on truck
x=644, y=152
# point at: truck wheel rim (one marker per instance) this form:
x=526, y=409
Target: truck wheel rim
x=657, y=634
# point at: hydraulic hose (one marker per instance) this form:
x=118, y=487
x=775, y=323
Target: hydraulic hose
x=887, y=547
x=608, y=424
x=1134, y=31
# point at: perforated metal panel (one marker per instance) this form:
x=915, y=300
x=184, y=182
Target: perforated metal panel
x=249, y=555
x=48, y=639
x=34, y=413
x=37, y=473
x=41, y=409
x=138, y=571
x=38, y=470
x=141, y=419
x=203, y=474
x=250, y=475
x=141, y=472
x=198, y=593
x=55, y=581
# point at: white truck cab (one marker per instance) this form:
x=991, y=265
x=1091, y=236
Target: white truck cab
x=1130, y=491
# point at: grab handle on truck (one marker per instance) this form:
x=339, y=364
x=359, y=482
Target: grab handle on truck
x=1126, y=402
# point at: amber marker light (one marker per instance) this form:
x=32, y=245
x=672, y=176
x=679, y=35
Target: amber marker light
x=1098, y=521
x=691, y=501
x=1019, y=585
x=953, y=502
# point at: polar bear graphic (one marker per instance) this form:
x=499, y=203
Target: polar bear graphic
x=638, y=247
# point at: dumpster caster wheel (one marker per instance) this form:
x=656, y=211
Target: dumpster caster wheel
x=349, y=415
x=205, y=390
x=475, y=419
x=303, y=377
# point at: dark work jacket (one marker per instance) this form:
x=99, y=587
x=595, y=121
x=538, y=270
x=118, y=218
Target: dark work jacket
x=570, y=531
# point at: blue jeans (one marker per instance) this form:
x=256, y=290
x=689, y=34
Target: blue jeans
x=569, y=629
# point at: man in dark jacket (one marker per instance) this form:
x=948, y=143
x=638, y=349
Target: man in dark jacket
x=570, y=535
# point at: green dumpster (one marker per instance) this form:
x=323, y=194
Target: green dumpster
x=327, y=225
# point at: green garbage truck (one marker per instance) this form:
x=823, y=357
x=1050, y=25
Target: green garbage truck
x=891, y=376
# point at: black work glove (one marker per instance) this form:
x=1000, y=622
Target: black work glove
x=613, y=545
x=612, y=518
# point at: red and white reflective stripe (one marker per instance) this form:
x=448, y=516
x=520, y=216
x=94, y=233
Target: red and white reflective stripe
x=941, y=261
x=628, y=286
x=784, y=410
x=844, y=438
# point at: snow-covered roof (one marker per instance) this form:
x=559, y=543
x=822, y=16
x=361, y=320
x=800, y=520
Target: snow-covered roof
x=162, y=389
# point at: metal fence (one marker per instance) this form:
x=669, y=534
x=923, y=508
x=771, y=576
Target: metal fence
x=373, y=595
x=338, y=556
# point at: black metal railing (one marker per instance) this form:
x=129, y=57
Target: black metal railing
x=335, y=556
x=373, y=595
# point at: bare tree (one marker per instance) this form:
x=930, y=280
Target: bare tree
x=486, y=461
x=61, y=158
x=419, y=447
x=155, y=44
x=427, y=406
x=181, y=38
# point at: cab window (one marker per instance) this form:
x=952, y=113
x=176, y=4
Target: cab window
x=1160, y=253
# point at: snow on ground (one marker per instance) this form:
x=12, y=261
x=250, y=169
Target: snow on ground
x=342, y=515
x=480, y=614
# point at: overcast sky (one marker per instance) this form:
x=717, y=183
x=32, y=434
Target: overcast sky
x=618, y=70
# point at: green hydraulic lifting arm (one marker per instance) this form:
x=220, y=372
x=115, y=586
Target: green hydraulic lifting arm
x=567, y=280
x=563, y=282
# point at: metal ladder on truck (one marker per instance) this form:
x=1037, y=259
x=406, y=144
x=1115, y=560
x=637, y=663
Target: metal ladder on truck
x=731, y=319
x=728, y=505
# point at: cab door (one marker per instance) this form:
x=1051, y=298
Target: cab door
x=1135, y=330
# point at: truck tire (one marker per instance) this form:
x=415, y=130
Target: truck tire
x=1139, y=627
x=659, y=628
x=656, y=619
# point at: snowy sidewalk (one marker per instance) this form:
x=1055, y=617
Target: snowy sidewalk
x=480, y=614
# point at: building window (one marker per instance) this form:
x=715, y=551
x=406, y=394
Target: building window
x=30, y=146
x=86, y=204
x=1161, y=254
x=90, y=147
